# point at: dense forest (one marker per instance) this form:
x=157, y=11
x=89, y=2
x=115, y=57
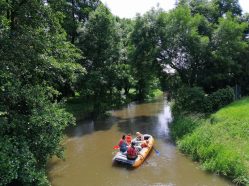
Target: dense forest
x=54, y=50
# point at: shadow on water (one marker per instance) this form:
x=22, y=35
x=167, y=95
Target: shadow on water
x=144, y=124
x=89, y=126
x=129, y=119
x=123, y=166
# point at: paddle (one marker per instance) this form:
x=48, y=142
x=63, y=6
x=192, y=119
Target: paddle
x=116, y=147
x=157, y=152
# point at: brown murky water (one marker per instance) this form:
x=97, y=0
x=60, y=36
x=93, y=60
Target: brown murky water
x=89, y=152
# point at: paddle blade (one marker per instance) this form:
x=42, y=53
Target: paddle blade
x=157, y=152
x=116, y=147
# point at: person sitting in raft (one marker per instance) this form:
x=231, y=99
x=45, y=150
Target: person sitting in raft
x=132, y=152
x=139, y=137
x=128, y=139
x=145, y=144
x=122, y=144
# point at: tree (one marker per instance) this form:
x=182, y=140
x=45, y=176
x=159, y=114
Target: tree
x=224, y=6
x=125, y=79
x=35, y=64
x=228, y=48
x=227, y=45
x=181, y=46
x=75, y=14
x=214, y=9
x=205, y=8
x=99, y=43
x=143, y=52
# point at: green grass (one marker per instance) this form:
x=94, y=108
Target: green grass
x=183, y=125
x=221, y=142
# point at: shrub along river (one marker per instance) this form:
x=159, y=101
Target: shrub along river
x=89, y=152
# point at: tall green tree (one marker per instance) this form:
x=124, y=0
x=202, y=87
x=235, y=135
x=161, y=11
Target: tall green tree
x=36, y=62
x=205, y=8
x=125, y=79
x=143, y=52
x=233, y=53
x=228, y=48
x=214, y=9
x=224, y=6
x=181, y=46
x=100, y=44
x=75, y=14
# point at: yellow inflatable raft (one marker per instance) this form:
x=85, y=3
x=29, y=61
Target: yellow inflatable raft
x=143, y=152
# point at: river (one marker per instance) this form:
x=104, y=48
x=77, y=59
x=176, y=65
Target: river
x=89, y=152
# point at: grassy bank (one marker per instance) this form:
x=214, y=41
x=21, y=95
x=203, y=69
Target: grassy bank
x=220, y=142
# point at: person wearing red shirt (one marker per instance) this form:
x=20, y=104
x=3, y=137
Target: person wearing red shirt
x=132, y=152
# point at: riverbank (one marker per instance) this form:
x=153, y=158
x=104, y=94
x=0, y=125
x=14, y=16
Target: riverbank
x=82, y=108
x=220, y=142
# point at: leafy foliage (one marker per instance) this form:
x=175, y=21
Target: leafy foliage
x=195, y=100
x=99, y=42
x=143, y=53
x=221, y=98
x=205, y=43
x=181, y=46
x=75, y=13
x=37, y=68
x=189, y=99
x=228, y=48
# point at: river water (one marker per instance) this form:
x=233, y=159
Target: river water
x=89, y=152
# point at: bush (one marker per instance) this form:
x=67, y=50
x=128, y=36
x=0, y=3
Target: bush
x=221, y=98
x=189, y=99
x=193, y=99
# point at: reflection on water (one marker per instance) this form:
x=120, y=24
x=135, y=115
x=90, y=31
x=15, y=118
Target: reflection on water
x=89, y=152
x=164, y=119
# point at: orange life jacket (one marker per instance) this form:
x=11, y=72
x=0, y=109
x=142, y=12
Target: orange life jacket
x=128, y=139
x=144, y=145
